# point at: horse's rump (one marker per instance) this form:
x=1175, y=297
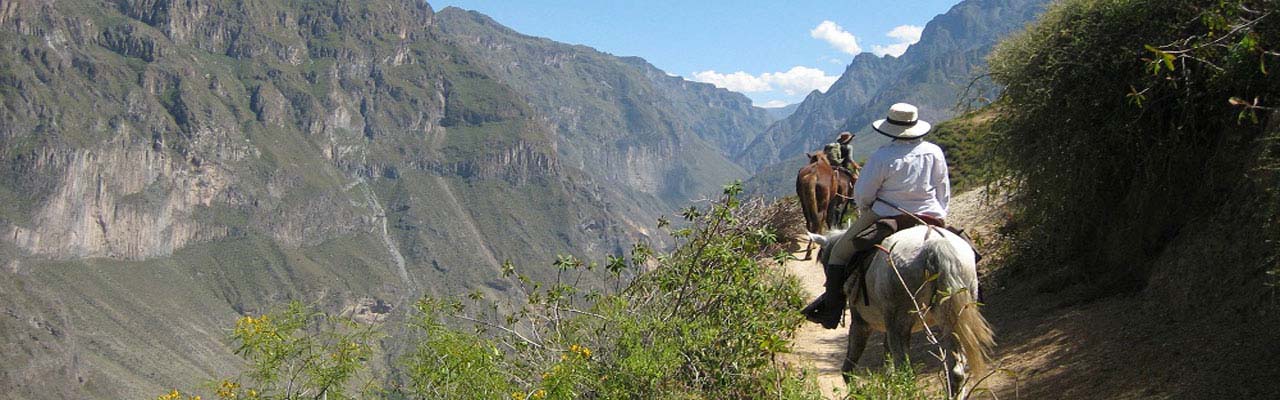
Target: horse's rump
x=918, y=253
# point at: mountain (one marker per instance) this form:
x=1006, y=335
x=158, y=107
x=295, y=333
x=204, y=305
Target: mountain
x=620, y=118
x=169, y=166
x=783, y=112
x=933, y=74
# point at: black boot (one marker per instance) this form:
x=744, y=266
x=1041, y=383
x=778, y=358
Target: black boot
x=826, y=310
x=829, y=307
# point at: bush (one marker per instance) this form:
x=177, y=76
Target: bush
x=895, y=382
x=297, y=352
x=1124, y=120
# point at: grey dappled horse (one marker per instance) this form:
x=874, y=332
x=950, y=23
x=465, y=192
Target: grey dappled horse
x=948, y=299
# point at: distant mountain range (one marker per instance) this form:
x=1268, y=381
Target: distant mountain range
x=621, y=119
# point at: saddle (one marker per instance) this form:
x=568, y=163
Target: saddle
x=845, y=171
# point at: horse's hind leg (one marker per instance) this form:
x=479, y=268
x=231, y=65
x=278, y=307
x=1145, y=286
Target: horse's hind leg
x=859, y=331
x=897, y=337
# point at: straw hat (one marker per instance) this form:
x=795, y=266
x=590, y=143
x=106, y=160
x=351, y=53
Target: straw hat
x=845, y=137
x=903, y=123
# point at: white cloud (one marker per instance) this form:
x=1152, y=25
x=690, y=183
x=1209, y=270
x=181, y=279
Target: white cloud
x=895, y=50
x=774, y=104
x=836, y=36
x=796, y=81
x=800, y=80
x=906, y=35
x=741, y=82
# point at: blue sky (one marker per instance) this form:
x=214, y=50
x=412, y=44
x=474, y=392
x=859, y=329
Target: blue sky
x=774, y=52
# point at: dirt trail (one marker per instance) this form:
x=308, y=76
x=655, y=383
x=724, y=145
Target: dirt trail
x=820, y=350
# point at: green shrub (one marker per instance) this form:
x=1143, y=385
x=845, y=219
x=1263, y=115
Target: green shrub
x=1123, y=120
x=297, y=352
x=893, y=383
x=705, y=321
x=448, y=364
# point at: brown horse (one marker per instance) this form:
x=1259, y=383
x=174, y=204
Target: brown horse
x=822, y=190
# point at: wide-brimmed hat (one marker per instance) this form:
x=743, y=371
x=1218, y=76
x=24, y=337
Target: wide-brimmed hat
x=844, y=137
x=903, y=123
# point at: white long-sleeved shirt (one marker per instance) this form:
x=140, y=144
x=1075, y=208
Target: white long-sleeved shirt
x=910, y=174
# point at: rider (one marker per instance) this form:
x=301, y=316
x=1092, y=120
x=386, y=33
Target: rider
x=841, y=153
x=907, y=174
x=846, y=150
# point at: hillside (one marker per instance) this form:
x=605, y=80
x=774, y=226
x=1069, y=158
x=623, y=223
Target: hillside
x=782, y=112
x=619, y=118
x=170, y=166
x=933, y=74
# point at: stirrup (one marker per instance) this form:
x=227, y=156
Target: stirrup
x=820, y=311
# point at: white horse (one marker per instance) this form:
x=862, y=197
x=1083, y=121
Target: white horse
x=934, y=267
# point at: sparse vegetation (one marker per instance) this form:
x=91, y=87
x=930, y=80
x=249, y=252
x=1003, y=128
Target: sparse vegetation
x=703, y=321
x=894, y=382
x=966, y=143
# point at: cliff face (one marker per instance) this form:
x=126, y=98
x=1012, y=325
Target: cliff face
x=620, y=119
x=933, y=74
x=166, y=166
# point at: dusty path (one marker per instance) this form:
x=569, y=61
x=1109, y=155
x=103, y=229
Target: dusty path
x=820, y=350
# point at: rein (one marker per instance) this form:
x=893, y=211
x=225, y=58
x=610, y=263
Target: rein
x=932, y=227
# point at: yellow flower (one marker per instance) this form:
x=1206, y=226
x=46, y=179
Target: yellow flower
x=517, y=395
x=227, y=390
x=539, y=394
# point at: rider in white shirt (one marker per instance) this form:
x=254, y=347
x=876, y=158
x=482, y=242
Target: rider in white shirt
x=908, y=174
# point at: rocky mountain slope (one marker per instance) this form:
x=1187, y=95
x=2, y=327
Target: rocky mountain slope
x=620, y=118
x=168, y=166
x=932, y=74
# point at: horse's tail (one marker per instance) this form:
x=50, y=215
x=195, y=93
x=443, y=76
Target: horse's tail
x=959, y=308
x=806, y=189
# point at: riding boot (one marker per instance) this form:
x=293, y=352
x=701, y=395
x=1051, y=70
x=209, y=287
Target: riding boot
x=828, y=307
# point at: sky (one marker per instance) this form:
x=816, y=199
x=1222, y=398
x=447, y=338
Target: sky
x=775, y=52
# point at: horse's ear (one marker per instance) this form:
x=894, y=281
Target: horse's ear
x=822, y=240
